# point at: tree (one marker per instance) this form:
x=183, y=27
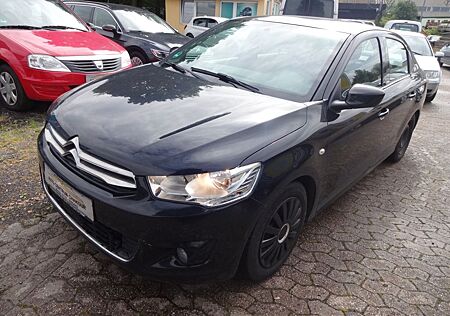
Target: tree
x=404, y=10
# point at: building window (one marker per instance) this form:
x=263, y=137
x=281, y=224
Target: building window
x=187, y=10
x=234, y=9
x=205, y=8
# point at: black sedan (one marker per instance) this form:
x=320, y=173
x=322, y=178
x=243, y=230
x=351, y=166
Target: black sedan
x=251, y=130
x=147, y=37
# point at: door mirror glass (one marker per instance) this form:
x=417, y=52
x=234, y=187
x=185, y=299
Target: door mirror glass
x=359, y=96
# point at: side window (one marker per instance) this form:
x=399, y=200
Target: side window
x=212, y=23
x=200, y=22
x=363, y=67
x=84, y=12
x=103, y=17
x=397, y=60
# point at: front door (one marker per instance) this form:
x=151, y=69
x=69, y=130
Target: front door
x=356, y=138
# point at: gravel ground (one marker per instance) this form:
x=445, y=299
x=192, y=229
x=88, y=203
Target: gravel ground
x=381, y=249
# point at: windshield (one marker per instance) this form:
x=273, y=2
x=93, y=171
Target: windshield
x=419, y=45
x=37, y=13
x=282, y=60
x=405, y=27
x=143, y=21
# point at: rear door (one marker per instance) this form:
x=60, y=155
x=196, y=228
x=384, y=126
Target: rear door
x=401, y=82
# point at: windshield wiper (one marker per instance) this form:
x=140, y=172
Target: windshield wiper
x=22, y=27
x=60, y=27
x=226, y=78
x=178, y=68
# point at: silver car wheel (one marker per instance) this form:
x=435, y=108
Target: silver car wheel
x=136, y=61
x=8, y=88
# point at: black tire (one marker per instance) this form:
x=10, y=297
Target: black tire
x=431, y=97
x=278, y=228
x=21, y=101
x=137, y=58
x=403, y=143
x=190, y=35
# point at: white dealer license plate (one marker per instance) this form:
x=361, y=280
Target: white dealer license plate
x=90, y=78
x=75, y=199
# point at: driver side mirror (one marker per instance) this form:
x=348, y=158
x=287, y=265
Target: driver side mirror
x=439, y=54
x=359, y=96
x=109, y=28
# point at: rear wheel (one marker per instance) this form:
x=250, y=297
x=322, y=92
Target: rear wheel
x=403, y=143
x=276, y=233
x=12, y=95
x=431, y=97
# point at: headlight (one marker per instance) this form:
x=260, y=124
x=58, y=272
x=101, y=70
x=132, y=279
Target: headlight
x=209, y=189
x=45, y=62
x=432, y=74
x=160, y=54
x=126, y=60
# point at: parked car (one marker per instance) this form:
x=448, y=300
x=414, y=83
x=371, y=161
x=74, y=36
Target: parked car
x=48, y=52
x=421, y=47
x=404, y=25
x=359, y=21
x=246, y=135
x=444, y=55
x=200, y=24
x=146, y=36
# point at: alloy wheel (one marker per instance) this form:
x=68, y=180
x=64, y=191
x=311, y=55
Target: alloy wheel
x=281, y=232
x=8, y=88
x=136, y=61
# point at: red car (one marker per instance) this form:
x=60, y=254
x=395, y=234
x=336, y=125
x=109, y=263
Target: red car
x=45, y=50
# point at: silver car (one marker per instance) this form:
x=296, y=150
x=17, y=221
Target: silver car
x=426, y=59
x=444, y=55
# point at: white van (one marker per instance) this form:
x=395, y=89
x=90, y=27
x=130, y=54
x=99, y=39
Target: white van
x=404, y=25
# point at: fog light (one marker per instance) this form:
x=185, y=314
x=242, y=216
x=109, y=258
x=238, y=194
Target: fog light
x=182, y=255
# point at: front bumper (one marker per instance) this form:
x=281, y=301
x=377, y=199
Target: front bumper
x=432, y=87
x=43, y=85
x=145, y=235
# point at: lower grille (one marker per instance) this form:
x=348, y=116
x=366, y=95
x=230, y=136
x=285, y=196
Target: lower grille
x=110, y=239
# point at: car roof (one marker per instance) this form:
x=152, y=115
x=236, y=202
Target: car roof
x=112, y=6
x=403, y=21
x=408, y=33
x=348, y=27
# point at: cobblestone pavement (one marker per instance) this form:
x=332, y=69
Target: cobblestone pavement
x=382, y=249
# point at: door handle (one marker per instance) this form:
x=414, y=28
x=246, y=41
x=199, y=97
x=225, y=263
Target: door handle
x=383, y=113
x=412, y=94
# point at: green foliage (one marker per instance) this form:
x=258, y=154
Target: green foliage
x=404, y=10
x=432, y=31
x=399, y=10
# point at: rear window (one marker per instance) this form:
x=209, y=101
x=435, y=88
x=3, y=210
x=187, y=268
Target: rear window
x=405, y=27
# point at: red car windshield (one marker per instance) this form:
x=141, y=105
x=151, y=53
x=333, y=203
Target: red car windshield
x=35, y=14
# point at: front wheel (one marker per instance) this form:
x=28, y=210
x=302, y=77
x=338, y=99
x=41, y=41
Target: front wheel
x=275, y=233
x=137, y=58
x=430, y=98
x=12, y=95
x=403, y=143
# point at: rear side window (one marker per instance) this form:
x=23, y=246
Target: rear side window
x=84, y=12
x=364, y=66
x=212, y=23
x=103, y=17
x=397, y=60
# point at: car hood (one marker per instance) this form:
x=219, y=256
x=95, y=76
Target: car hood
x=428, y=63
x=62, y=42
x=166, y=39
x=159, y=122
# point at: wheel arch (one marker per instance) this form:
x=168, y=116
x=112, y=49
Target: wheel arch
x=309, y=184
